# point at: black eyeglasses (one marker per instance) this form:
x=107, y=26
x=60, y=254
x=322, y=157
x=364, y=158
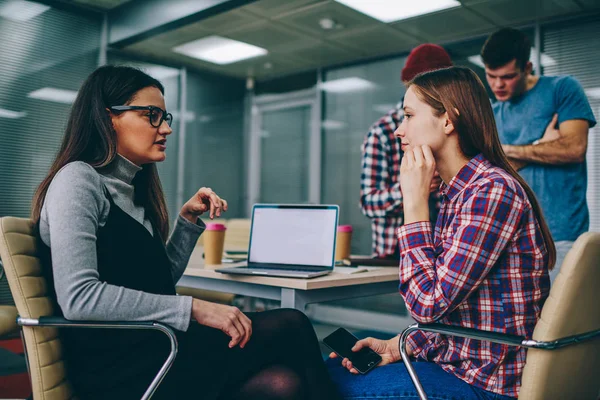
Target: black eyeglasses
x=157, y=115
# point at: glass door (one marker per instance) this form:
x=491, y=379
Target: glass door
x=285, y=155
x=285, y=150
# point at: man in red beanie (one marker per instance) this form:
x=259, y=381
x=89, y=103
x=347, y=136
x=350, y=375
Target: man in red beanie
x=380, y=195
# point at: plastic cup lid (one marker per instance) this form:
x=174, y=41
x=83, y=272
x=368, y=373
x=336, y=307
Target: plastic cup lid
x=214, y=226
x=345, y=228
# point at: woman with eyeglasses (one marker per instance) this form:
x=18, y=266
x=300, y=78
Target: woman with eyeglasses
x=102, y=218
x=485, y=266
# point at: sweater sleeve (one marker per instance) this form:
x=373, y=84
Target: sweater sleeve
x=73, y=207
x=181, y=244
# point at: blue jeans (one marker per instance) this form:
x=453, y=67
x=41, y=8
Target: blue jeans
x=393, y=382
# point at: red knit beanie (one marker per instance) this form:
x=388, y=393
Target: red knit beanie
x=423, y=58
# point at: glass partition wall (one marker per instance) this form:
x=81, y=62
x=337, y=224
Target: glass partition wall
x=46, y=55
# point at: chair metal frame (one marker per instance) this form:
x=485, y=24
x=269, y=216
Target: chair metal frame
x=59, y=322
x=477, y=334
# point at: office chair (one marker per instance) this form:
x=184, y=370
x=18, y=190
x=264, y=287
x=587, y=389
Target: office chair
x=47, y=371
x=563, y=356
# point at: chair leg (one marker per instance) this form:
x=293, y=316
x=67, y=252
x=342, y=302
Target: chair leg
x=407, y=363
x=26, y=362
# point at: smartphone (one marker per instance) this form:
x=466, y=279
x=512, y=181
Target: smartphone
x=341, y=342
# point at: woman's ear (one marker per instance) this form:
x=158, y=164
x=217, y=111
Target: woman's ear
x=448, y=125
x=113, y=120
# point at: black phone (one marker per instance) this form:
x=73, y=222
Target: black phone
x=341, y=342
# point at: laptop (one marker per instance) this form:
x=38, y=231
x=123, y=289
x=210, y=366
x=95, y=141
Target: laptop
x=292, y=241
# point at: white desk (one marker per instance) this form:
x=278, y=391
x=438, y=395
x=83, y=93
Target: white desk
x=292, y=292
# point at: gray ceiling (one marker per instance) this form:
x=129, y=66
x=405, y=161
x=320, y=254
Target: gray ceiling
x=98, y=4
x=290, y=31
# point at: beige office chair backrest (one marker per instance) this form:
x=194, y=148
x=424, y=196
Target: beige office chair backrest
x=237, y=236
x=19, y=253
x=573, y=307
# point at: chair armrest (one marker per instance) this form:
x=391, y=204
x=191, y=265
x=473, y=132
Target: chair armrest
x=471, y=333
x=65, y=323
x=504, y=338
x=494, y=337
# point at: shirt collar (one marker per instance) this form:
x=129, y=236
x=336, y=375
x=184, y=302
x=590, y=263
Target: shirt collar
x=467, y=175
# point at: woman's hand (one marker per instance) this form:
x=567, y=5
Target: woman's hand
x=230, y=320
x=204, y=200
x=387, y=349
x=417, y=172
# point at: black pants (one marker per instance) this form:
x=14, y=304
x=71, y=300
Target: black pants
x=283, y=353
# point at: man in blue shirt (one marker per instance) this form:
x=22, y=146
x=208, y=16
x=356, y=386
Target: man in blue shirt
x=543, y=124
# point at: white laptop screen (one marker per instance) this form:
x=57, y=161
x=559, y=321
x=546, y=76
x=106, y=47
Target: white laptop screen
x=295, y=236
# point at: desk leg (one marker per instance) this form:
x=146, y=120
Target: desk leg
x=290, y=298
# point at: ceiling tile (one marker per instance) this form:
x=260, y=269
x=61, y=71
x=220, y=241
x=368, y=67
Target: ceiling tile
x=102, y=4
x=445, y=25
x=165, y=55
x=290, y=31
x=262, y=67
x=308, y=19
x=179, y=36
x=321, y=55
x=273, y=8
x=271, y=36
x=256, y=67
x=511, y=12
x=374, y=41
x=228, y=21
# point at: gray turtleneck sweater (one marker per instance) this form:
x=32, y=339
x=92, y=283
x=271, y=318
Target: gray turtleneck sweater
x=75, y=207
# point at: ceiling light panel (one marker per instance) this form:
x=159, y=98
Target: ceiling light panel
x=4, y=113
x=219, y=50
x=392, y=10
x=54, y=95
x=21, y=10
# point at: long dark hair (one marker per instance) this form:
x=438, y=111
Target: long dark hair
x=459, y=92
x=91, y=138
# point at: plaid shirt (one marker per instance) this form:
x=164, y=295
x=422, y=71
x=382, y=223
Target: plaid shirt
x=380, y=195
x=485, y=268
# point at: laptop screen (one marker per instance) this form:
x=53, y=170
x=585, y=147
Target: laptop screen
x=294, y=235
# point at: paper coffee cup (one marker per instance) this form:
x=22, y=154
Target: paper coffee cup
x=344, y=240
x=214, y=238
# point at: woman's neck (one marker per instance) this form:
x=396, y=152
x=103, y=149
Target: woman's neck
x=449, y=163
